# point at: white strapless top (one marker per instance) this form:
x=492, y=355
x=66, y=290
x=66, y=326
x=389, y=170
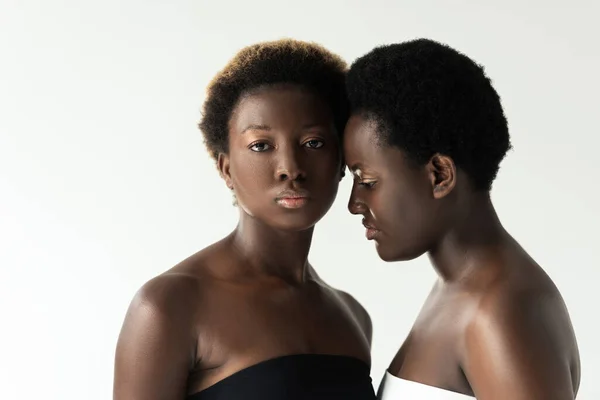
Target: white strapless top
x=394, y=388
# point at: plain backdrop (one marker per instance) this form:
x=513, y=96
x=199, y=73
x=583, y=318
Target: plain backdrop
x=105, y=181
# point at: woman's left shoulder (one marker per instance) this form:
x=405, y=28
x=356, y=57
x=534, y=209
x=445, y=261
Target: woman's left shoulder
x=350, y=303
x=359, y=312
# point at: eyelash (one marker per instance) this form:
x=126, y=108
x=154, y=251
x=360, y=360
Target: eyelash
x=268, y=146
x=253, y=145
x=368, y=185
x=320, y=142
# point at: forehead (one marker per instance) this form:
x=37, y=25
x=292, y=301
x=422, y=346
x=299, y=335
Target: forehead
x=280, y=106
x=363, y=150
x=360, y=137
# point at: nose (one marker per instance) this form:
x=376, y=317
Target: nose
x=289, y=167
x=356, y=205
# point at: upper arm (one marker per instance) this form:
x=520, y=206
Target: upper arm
x=514, y=351
x=155, y=348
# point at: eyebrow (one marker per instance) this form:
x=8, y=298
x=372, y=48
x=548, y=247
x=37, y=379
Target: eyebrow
x=356, y=171
x=259, y=127
x=254, y=127
x=315, y=125
x=355, y=167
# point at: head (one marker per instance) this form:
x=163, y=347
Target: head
x=426, y=132
x=272, y=121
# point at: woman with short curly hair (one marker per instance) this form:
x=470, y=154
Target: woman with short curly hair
x=248, y=317
x=424, y=143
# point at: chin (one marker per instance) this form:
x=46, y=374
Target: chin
x=293, y=226
x=396, y=253
x=296, y=222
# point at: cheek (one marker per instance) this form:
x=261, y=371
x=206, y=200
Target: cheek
x=323, y=178
x=323, y=165
x=401, y=212
x=248, y=174
x=252, y=182
x=415, y=225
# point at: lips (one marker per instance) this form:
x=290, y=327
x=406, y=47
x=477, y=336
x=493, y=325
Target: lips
x=372, y=230
x=293, y=194
x=368, y=225
x=292, y=198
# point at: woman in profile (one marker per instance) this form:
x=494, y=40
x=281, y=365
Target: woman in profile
x=424, y=142
x=248, y=317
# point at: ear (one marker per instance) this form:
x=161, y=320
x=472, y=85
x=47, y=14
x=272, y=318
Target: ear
x=442, y=175
x=223, y=166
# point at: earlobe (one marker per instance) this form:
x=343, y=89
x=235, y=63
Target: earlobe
x=442, y=173
x=223, y=166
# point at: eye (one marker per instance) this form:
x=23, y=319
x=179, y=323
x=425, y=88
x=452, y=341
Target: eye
x=368, y=185
x=314, y=144
x=259, y=147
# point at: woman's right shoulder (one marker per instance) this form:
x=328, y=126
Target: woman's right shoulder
x=168, y=291
x=166, y=302
x=181, y=290
x=159, y=335
x=182, y=286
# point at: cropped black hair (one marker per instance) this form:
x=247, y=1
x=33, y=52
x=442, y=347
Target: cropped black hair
x=284, y=61
x=428, y=98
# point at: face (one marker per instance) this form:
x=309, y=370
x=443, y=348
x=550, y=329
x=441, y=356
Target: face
x=401, y=203
x=284, y=161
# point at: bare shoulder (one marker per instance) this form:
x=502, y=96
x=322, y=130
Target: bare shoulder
x=179, y=291
x=520, y=341
x=165, y=308
x=156, y=347
x=357, y=310
x=171, y=293
x=526, y=308
x=168, y=306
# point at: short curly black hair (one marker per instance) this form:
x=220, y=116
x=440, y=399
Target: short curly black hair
x=285, y=61
x=428, y=98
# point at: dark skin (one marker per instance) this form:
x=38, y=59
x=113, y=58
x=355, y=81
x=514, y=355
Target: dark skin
x=494, y=325
x=252, y=296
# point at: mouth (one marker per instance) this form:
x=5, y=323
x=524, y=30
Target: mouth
x=292, y=199
x=372, y=231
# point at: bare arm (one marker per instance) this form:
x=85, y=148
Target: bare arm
x=517, y=349
x=155, y=350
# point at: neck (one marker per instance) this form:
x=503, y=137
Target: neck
x=474, y=239
x=266, y=251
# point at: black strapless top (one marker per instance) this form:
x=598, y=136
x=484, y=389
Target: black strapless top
x=296, y=377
